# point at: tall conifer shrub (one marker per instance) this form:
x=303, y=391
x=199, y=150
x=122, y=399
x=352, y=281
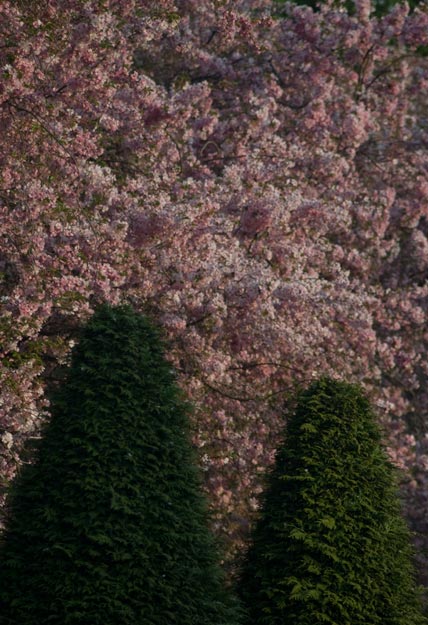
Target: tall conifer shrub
x=109, y=526
x=331, y=545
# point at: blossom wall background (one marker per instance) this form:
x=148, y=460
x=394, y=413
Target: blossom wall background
x=259, y=185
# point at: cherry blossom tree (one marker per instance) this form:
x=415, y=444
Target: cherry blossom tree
x=258, y=184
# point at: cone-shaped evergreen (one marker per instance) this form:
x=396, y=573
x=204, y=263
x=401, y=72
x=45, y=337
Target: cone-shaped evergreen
x=109, y=526
x=331, y=545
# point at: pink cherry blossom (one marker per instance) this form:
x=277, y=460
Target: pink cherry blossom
x=257, y=185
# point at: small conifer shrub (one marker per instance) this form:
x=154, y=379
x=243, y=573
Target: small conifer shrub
x=109, y=526
x=330, y=545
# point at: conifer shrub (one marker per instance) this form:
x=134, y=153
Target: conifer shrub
x=330, y=545
x=109, y=525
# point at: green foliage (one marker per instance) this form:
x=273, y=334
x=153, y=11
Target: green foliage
x=330, y=545
x=109, y=526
